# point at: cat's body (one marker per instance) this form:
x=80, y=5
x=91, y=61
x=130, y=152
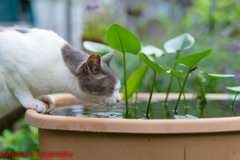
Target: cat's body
x=34, y=63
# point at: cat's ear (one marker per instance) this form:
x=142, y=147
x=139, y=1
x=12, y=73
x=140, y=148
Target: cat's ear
x=107, y=58
x=93, y=63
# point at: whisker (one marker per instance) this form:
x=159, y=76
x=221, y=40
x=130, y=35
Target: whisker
x=101, y=107
x=119, y=105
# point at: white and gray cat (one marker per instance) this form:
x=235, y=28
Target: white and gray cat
x=35, y=62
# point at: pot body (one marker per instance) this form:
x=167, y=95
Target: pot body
x=130, y=139
x=119, y=146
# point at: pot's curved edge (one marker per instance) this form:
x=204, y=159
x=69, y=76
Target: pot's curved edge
x=207, y=125
x=163, y=126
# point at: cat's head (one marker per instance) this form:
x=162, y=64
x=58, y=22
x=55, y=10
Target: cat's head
x=97, y=81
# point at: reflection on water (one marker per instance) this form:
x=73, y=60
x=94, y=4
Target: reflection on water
x=157, y=110
x=80, y=111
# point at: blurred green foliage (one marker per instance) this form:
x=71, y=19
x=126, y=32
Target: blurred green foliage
x=219, y=31
x=214, y=24
x=212, y=13
x=20, y=141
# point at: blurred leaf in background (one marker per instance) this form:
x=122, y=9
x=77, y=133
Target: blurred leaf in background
x=21, y=140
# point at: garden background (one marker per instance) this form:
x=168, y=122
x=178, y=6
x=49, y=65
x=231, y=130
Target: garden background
x=215, y=24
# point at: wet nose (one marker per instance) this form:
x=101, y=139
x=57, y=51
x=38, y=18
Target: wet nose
x=118, y=100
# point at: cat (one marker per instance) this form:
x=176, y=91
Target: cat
x=36, y=62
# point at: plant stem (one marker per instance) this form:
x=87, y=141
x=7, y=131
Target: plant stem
x=185, y=80
x=234, y=99
x=201, y=87
x=195, y=90
x=135, y=105
x=135, y=112
x=185, y=100
x=171, y=79
x=150, y=98
x=203, y=96
x=136, y=97
x=125, y=81
x=166, y=107
x=140, y=63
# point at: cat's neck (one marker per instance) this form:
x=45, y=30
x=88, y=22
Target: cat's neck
x=67, y=83
x=60, y=77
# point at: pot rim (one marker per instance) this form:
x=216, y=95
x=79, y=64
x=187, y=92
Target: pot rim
x=146, y=126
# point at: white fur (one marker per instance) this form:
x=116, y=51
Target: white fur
x=31, y=66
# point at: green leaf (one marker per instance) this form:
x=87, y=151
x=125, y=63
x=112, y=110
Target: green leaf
x=218, y=76
x=187, y=116
x=2, y=139
x=156, y=68
x=99, y=48
x=152, y=51
x=235, y=89
x=122, y=40
x=193, y=59
x=175, y=73
x=7, y=134
x=134, y=81
x=182, y=42
x=200, y=77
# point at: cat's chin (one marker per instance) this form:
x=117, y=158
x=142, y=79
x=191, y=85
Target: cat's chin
x=106, y=101
x=98, y=101
x=106, y=104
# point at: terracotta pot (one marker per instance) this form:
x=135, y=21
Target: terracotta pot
x=117, y=139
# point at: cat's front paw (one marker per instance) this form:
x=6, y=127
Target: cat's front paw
x=47, y=99
x=36, y=105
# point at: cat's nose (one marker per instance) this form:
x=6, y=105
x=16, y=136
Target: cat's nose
x=118, y=100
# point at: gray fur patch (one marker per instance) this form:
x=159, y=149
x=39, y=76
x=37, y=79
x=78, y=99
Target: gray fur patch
x=22, y=30
x=89, y=82
x=107, y=58
x=15, y=28
x=73, y=58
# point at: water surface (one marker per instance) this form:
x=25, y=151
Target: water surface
x=157, y=110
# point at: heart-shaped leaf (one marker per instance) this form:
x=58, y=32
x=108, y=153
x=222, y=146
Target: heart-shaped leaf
x=175, y=73
x=218, y=76
x=156, y=68
x=134, y=81
x=193, y=59
x=99, y=48
x=235, y=89
x=122, y=40
x=187, y=116
x=152, y=51
x=182, y=42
